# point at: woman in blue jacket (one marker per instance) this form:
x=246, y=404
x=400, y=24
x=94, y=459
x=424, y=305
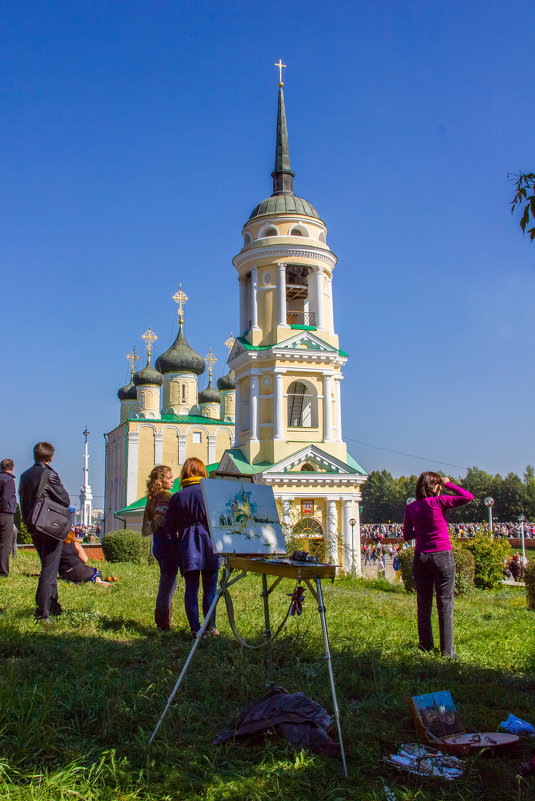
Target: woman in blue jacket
x=186, y=516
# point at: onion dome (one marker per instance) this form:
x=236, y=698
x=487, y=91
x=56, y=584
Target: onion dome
x=128, y=392
x=148, y=375
x=227, y=381
x=210, y=394
x=283, y=200
x=180, y=357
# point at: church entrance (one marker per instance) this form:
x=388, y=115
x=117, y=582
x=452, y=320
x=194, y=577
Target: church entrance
x=309, y=535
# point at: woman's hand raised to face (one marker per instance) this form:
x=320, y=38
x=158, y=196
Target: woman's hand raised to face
x=445, y=480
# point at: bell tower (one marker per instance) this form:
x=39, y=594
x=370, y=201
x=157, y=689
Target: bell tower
x=287, y=361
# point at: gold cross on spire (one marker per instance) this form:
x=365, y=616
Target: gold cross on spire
x=180, y=298
x=210, y=359
x=280, y=65
x=132, y=358
x=229, y=343
x=149, y=336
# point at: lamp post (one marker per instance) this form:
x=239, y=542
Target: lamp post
x=522, y=520
x=411, y=500
x=489, y=503
x=352, y=523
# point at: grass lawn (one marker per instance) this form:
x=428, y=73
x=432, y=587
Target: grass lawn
x=79, y=699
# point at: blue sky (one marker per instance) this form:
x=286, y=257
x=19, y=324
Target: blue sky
x=138, y=136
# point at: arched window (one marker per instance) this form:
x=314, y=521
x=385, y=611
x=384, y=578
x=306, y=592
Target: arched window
x=247, y=238
x=183, y=393
x=270, y=232
x=302, y=406
x=307, y=468
x=308, y=527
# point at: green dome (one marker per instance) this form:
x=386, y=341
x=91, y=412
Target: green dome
x=180, y=358
x=209, y=395
x=128, y=392
x=227, y=381
x=286, y=203
x=147, y=376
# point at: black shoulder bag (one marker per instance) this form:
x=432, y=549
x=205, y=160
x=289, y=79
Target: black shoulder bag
x=47, y=516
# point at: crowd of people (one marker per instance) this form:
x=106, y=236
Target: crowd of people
x=510, y=530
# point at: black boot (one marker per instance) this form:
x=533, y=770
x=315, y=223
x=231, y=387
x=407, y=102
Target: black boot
x=162, y=618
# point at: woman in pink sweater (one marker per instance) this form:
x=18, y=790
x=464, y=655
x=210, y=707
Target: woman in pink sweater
x=433, y=566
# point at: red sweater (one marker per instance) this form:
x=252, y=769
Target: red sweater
x=425, y=519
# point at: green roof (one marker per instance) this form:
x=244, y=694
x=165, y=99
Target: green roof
x=182, y=418
x=355, y=465
x=243, y=465
x=142, y=502
x=248, y=346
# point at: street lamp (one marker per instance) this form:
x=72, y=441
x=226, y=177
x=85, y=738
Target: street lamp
x=522, y=520
x=489, y=503
x=411, y=500
x=353, y=523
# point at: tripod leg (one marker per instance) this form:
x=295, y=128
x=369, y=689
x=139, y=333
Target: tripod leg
x=190, y=657
x=267, y=631
x=321, y=610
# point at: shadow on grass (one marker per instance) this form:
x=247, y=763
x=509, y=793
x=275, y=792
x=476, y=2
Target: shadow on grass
x=67, y=694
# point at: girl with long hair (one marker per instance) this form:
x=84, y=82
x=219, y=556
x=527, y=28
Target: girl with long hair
x=159, y=485
x=433, y=565
x=186, y=517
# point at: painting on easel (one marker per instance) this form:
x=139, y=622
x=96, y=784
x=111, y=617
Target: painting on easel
x=242, y=517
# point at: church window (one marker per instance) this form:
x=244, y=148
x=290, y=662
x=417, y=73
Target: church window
x=196, y=437
x=183, y=393
x=308, y=527
x=302, y=406
x=247, y=238
x=142, y=401
x=271, y=232
x=307, y=468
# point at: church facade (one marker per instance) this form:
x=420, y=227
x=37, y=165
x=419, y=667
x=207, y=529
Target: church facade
x=283, y=388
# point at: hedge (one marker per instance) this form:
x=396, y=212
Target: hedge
x=489, y=556
x=529, y=578
x=464, y=569
x=125, y=545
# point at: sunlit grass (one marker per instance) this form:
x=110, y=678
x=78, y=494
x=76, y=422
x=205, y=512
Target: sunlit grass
x=80, y=698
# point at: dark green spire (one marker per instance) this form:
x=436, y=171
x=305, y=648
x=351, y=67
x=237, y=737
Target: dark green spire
x=283, y=175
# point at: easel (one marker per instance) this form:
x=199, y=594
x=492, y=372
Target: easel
x=307, y=572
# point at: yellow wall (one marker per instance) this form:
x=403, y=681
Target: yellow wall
x=145, y=458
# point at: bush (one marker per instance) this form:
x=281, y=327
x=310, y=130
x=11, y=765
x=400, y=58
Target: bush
x=23, y=537
x=125, y=545
x=529, y=578
x=489, y=556
x=464, y=569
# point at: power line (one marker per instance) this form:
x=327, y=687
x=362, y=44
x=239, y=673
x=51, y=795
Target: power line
x=412, y=455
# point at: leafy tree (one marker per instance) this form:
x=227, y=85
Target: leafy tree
x=489, y=558
x=525, y=183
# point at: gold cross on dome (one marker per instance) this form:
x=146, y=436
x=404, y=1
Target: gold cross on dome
x=132, y=358
x=211, y=360
x=280, y=65
x=149, y=336
x=180, y=298
x=230, y=342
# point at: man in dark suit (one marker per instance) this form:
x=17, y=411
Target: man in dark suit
x=48, y=548
x=8, y=507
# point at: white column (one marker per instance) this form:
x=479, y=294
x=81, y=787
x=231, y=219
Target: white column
x=254, y=408
x=327, y=409
x=181, y=448
x=331, y=305
x=244, y=322
x=282, y=294
x=320, y=317
x=237, y=422
x=254, y=296
x=278, y=408
x=346, y=535
x=332, y=532
x=131, y=475
x=338, y=402
x=158, y=448
x=211, y=449
x=358, y=555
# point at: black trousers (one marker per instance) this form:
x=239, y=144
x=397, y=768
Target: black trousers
x=46, y=597
x=435, y=571
x=6, y=541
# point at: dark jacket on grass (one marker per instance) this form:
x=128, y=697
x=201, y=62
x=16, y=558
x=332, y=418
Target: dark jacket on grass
x=8, y=494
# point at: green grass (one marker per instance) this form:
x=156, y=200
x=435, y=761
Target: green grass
x=80, y=699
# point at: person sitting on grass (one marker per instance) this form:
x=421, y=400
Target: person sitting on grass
x=73, y=564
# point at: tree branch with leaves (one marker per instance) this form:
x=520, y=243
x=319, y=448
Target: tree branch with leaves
x=524, y=184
